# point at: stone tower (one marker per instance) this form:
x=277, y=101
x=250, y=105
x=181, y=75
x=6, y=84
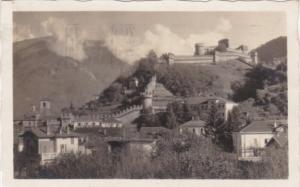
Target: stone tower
x=199, y=49
x=45, y=106
x=148, y=93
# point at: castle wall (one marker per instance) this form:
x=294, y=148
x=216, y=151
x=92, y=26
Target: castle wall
x=230, y=55
x=204, y=59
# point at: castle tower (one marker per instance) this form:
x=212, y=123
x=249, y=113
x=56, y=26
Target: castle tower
x=147, y=103
x=224, y=43
x=45, y=106
x=148, y=94
x=199, y=49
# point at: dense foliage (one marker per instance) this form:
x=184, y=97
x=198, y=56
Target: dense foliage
x=272, y=49
x=176, y=156
x=268, y=88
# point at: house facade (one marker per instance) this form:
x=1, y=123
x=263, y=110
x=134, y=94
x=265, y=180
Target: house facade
x=204, y=105
x=90, y=121
x=251, y=141
x=48, y=144
x=194, y=126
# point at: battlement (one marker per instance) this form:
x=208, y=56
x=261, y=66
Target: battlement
x=128, y=110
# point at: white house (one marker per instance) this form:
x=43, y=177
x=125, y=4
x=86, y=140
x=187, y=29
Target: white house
x=250, y=141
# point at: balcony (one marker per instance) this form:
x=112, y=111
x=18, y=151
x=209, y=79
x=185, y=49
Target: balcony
x=250, y=154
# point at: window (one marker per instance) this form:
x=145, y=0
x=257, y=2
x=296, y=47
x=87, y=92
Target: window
x=72, y=140
x=44, y=104
x=79, y=124
x=194, y=131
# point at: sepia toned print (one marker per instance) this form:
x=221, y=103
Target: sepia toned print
x=141, y=95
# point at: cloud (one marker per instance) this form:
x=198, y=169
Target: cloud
x=162, y=39
x=22, y=32
x=70, y=39
x=224, y=25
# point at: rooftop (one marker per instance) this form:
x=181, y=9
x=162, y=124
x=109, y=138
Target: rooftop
x=194, y=123
x=202, y=99
x=280, y=138
x=263, y=126
x=55, y=133
x=161, y=91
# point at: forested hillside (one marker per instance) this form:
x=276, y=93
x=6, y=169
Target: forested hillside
x=272, y=49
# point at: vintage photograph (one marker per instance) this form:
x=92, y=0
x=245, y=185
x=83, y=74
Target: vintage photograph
x=150, y=95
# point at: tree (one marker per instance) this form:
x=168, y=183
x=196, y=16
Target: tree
x=187, y=113
x=234, y=121
x=171, y=120
x=276, y=159
x=214, y=124
x=233, y=124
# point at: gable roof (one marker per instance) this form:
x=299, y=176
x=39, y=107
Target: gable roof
x=280, y=138
x=263, y=126
x=161, y=91
x=194, y=123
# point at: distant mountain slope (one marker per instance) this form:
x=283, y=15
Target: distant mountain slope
x=272, y=49
x=39, y=72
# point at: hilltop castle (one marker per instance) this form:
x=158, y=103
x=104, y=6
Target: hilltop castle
x=214, y=54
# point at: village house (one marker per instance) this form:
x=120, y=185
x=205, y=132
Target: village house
x=203, y=105
x=250, y=141
x=194, y=126
x=41, y=117
x=48, y=142
x=96, y=121
x=153, y=132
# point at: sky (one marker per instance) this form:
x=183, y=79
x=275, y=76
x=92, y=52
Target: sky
x=131, y=35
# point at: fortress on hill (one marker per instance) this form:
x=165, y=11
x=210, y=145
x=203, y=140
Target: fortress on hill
x=214, y=54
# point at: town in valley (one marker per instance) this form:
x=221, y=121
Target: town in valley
x=218, y=113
